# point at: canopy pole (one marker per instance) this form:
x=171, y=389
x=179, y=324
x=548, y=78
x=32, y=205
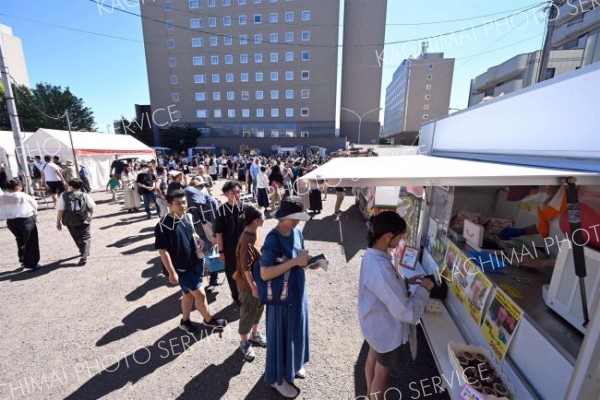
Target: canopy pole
x=72, y=147
x=576, y=239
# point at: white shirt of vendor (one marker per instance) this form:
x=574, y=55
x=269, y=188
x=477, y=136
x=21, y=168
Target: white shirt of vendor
x=60, y=204
x=50, y=172
x=17, y=205
x=384, y=309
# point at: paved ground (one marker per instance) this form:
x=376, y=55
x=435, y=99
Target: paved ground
x=108, y=329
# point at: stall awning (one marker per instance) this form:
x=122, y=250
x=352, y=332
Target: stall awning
x=421, y=170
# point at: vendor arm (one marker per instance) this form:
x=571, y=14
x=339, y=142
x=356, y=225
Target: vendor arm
x=509, y=233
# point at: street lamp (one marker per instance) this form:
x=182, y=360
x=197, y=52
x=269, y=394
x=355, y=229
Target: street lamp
x=360, y=117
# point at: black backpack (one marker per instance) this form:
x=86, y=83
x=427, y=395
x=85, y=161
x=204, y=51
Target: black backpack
x=76, y=211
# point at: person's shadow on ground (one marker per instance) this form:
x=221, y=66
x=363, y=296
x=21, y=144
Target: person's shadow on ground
x=23, y=274
x=213, y=382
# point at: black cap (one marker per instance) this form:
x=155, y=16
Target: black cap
x=292, y=208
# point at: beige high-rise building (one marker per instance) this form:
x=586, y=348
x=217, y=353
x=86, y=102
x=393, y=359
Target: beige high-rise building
x=14, y=56
x=419, y=92
x=244, y=68
x=364, y=36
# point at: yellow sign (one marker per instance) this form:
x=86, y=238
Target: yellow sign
x=500, y=323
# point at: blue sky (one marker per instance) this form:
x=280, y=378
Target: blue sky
x=110, y=74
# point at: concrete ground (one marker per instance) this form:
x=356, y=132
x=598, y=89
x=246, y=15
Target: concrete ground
x=109, y=329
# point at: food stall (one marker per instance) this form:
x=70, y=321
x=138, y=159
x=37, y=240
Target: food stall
x=536, y=327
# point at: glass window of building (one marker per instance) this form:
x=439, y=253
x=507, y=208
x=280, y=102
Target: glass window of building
x=212, y=3
x=273, y=18
x=245, y=95
x=214, y=60
x=243, y=39
x=231, y=113
x=289, y=94
x=275, y=112
x=257, y=18
x=168, y=6
x=259, y=95
x=425, y=116
x=274, y=75
x=226, y=3
x=170, y=43
x=427, y=87
x=243, y=20
x=289, y=16
x=306, y=15
x=425, y=106
x=172, y=62
x=174, y=80
x=200, y=96
x=305, y=36
x=289, y=75
x=217, y=113
x=304, y=134
x=228, y=59
x=228, y=40
x=430, y=77
x=305, y=93
x=274, y=57
x=244, y=77
x=290, y=132
x=216, y=96
x=227, y=21
x=175, y=97
x=260, y=112
x=243, y=58
x=274, y=94
x=274, y=132
x=197, y=42
x=230, y=96
x=289, y=56
x=245, y=112
x=258, y=38
x=273, y=37
x=242, y=2
x=306, y=55
x=427, y=97
x=289, y=112
x=194, y=4
x=169, y=25
x=304, y=111
x=215, y=78
x=212, y=21
x=214, y=41
x=229, y=77
x=430, y=66
x=258, y=76
x=199, y=60
x=258, y=58
x=201, y=114
x=257, y=1
x=260, y=132
x=289, y=37
x=305, y=75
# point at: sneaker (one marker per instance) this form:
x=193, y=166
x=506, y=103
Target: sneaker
x=82, y=261
x=259, y=339
x=218, y=323
x=149, y=216
x=247, y=351
x=301, y=373
x=286, y=390
x=188, y=326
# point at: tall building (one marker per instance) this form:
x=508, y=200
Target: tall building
x=364, y=36
x=575, y=42
x=14, y=56
x=261, y=70
x=419, y=92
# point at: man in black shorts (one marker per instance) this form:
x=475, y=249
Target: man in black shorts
x=180, y=249
x=53, y=178
x=117, y=167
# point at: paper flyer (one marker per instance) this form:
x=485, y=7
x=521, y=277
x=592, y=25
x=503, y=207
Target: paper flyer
x=500, y=323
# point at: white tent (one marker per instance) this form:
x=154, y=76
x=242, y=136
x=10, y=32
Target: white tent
x=96, y=150
x=7, y=153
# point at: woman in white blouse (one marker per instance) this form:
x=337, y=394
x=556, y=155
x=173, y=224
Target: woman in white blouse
x=385, y=308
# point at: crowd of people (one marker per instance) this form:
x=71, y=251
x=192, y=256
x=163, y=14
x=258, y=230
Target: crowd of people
x=264, y=275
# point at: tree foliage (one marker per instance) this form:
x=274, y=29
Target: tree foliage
x=36, y=106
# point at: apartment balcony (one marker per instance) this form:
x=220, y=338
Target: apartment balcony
x=476, y=99
x=511, y=68
x=509, y=87
x=571, y=30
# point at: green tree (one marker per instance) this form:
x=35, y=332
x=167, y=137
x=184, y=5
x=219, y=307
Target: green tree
x=36, y=106
x=179, y=138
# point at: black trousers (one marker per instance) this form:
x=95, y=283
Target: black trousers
x=83, y=238
x=230, y=267
x=28, y=245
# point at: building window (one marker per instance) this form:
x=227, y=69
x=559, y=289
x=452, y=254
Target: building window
x=214, y=60
x=217, y=113
x=427, y=87
x=214, y=41
x=194, y=4
x=430, y=66
x=273, y=37
x=305, y=55
x=273, y=18
x=228, y=40
x=289, y=16
x=260, y=132
x=228, y=59
x=289, y=112
x=259, y=95
x=245, y=133
x=243, y=58
x=172, y=62
x=289, y=75
x=427, y=97
x=306, y=15
x=289, y=94
x=258, y=76
x=274, y=94
x=243, y=39
x=169, y=25
x=430, y=77
x=243, y=20
x=274, y=132
x=170, y=43
x=304, y=112
x=242, y=2
x=212, y=22
x=245, y=112
x=199, y=60
x=274, y=75
x=227, y=21
x=258, y=58
x=217, y=96
x=425, y=116
x=245, y=95
x=305, y=36
x=274, y=57
x=226, y=3
x=258, y=38
x=175, y=97
x=257, y=1
x=304, y=134
x=231, y=113
x=212, y=3
x=197, y=42
x=174, y=80
x=215, y=78
x=168, y=6
x=305, y=75
x=289, y=132
x=260, y=112
x=426, y=107
x=289, y=37
x=244, y=77
x=200, y=96
x=176, y=114
x=305, y=93
x=230, y=96
x=257, y=18
x=201, y=114
x=229, y=77
x=289, y=56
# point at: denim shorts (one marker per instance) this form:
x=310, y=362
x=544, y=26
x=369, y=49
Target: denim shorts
x=190, y=280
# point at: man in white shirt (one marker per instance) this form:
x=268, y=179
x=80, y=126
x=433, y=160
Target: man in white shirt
x=19, y=209
x=53, y=178
x=75, y=210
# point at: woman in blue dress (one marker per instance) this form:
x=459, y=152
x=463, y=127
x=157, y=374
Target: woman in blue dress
x=287, y=325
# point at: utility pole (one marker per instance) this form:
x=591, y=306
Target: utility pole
x=14, y=123
x=71, y=140
x=545, y=56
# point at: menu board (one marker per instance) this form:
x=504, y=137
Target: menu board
x=500, y=322
x=471, y=287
